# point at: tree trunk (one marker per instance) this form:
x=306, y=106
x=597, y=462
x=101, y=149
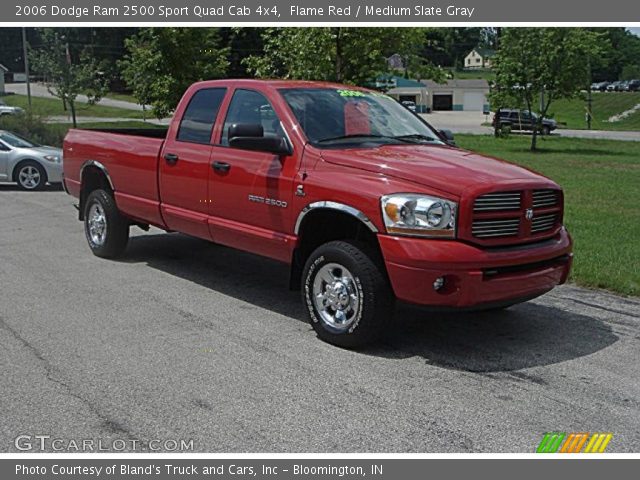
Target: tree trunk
x=338, y=56
x=72, y=107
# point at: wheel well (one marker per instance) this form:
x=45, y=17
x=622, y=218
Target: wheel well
x=16, y=169
x=324, y=225
x=93, y=178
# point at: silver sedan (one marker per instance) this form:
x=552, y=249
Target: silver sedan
x=28, y=164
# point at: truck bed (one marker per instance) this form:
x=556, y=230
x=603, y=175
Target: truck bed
x=129, y=156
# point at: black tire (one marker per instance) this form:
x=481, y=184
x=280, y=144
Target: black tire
x=30, y=176
x=116, y=227
x=368, y=281
x=545, y=130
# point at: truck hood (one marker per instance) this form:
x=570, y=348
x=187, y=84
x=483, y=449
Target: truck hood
x=447, y=169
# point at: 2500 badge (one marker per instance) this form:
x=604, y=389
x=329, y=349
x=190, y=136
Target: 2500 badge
x=268, y=201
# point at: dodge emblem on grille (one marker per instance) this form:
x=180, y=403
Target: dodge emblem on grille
x=528, y=213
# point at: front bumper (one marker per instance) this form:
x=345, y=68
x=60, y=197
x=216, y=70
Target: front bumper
x=474, y=276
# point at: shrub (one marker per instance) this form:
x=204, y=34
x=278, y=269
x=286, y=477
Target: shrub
x=33, y=128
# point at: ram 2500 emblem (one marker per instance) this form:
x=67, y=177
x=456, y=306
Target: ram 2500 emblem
x=528, y=213
x=268, y=201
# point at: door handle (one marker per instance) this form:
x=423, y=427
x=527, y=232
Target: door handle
x=221, y=166
x=171, y=158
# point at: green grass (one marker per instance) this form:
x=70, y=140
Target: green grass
x=125, y=97
x=487, y=75
x=47, y=107
x=604, y=105
x=601, y=181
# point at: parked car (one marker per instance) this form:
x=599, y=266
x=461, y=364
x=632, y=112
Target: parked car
x=599, y=86
x=614, y=87
x=9, y=110
x=365, y=201
x=632, y=86
x=409, y=104
x=523, y=120
x=28, y=164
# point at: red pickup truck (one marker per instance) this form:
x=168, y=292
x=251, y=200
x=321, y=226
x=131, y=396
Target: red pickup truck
x=364, y=200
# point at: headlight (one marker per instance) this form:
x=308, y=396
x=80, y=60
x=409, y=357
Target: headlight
x=52, y=158
x=420, y=215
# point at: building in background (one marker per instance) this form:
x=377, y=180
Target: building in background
x=3, y=71
x=479, y=58
x=459, y=95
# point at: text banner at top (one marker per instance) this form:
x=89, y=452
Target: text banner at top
x=274, y=12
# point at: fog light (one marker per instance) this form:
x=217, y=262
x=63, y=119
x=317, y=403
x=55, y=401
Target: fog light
x=438, y=283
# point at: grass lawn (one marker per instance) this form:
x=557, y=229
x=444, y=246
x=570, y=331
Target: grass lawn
x=601, y=182
x=47, y=107
x=604, y=105
x=125, y=97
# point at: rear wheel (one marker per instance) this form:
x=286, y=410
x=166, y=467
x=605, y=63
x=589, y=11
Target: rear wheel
x=346, y=294
x=31, y=176
x=107, y=231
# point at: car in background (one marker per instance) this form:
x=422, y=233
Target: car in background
x=28, y=164
x=615, y=86
x=632, y=86
x=409, y=104
x=9, y=110
x=599, y=86
x=522, y=120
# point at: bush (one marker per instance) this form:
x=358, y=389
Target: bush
x=33, y=128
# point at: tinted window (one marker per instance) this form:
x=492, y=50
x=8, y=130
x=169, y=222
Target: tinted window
x=200, y=115
x=251, y=107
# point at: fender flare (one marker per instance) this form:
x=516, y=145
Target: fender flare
x=341, y=207
x=98, y=165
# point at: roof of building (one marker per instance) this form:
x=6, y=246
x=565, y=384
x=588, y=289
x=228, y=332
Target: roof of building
x=458, y=83
x=485, y=52
x=3, y=68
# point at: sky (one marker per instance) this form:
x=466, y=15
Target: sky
x=635, y=30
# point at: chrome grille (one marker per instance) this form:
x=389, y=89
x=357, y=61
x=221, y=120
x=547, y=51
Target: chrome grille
x=545, y=198
x=543, y=223
x=497, y=201
x=495, y=228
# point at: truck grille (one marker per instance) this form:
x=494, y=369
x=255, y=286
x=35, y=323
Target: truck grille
x=515, y=216
x=496, y=228
x=543, y=223
x=544, y=198
x=498, y=201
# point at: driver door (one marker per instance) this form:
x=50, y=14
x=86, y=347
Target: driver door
x=251, y=191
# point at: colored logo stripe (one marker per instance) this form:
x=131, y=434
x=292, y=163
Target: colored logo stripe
x=560, y=442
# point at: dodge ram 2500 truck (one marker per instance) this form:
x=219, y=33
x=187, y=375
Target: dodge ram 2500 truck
x=364, y=200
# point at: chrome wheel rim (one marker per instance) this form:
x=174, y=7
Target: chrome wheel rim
x=336, y=296
x=29, y=177
x=97, y=224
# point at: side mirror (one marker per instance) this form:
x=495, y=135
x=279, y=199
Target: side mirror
x=249, y=136
x=447, y=136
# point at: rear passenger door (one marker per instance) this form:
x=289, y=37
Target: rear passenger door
x=184, y=165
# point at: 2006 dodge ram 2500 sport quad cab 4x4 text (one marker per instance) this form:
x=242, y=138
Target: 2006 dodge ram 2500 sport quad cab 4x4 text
x=365, y=201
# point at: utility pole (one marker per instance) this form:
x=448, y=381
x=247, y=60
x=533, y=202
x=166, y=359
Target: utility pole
x=589, y=98
x=25, y=55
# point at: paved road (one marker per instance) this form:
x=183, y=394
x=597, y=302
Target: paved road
x=40, y=90
x=472, y=123
x=184, y=339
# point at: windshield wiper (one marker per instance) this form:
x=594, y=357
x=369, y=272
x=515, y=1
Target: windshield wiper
x=416, y=136
x=356, y=135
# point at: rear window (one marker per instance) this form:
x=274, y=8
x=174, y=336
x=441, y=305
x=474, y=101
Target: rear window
x=198, y=119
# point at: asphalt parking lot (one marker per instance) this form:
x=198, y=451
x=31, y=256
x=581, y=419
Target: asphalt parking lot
x=182, y=339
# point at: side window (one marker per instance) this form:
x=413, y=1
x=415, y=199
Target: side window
x=251, y=107
x=200, y=115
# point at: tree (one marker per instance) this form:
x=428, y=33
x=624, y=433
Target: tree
x=340, y=54
x=68, y=73
x=162, y=63
x=536, y=66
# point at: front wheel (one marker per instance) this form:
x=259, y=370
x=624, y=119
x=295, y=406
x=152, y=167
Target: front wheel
x=31, y=176
x=107, y=231
x=346, y=294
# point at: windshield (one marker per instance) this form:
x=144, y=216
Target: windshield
x=15, y=141
x=334, y=118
